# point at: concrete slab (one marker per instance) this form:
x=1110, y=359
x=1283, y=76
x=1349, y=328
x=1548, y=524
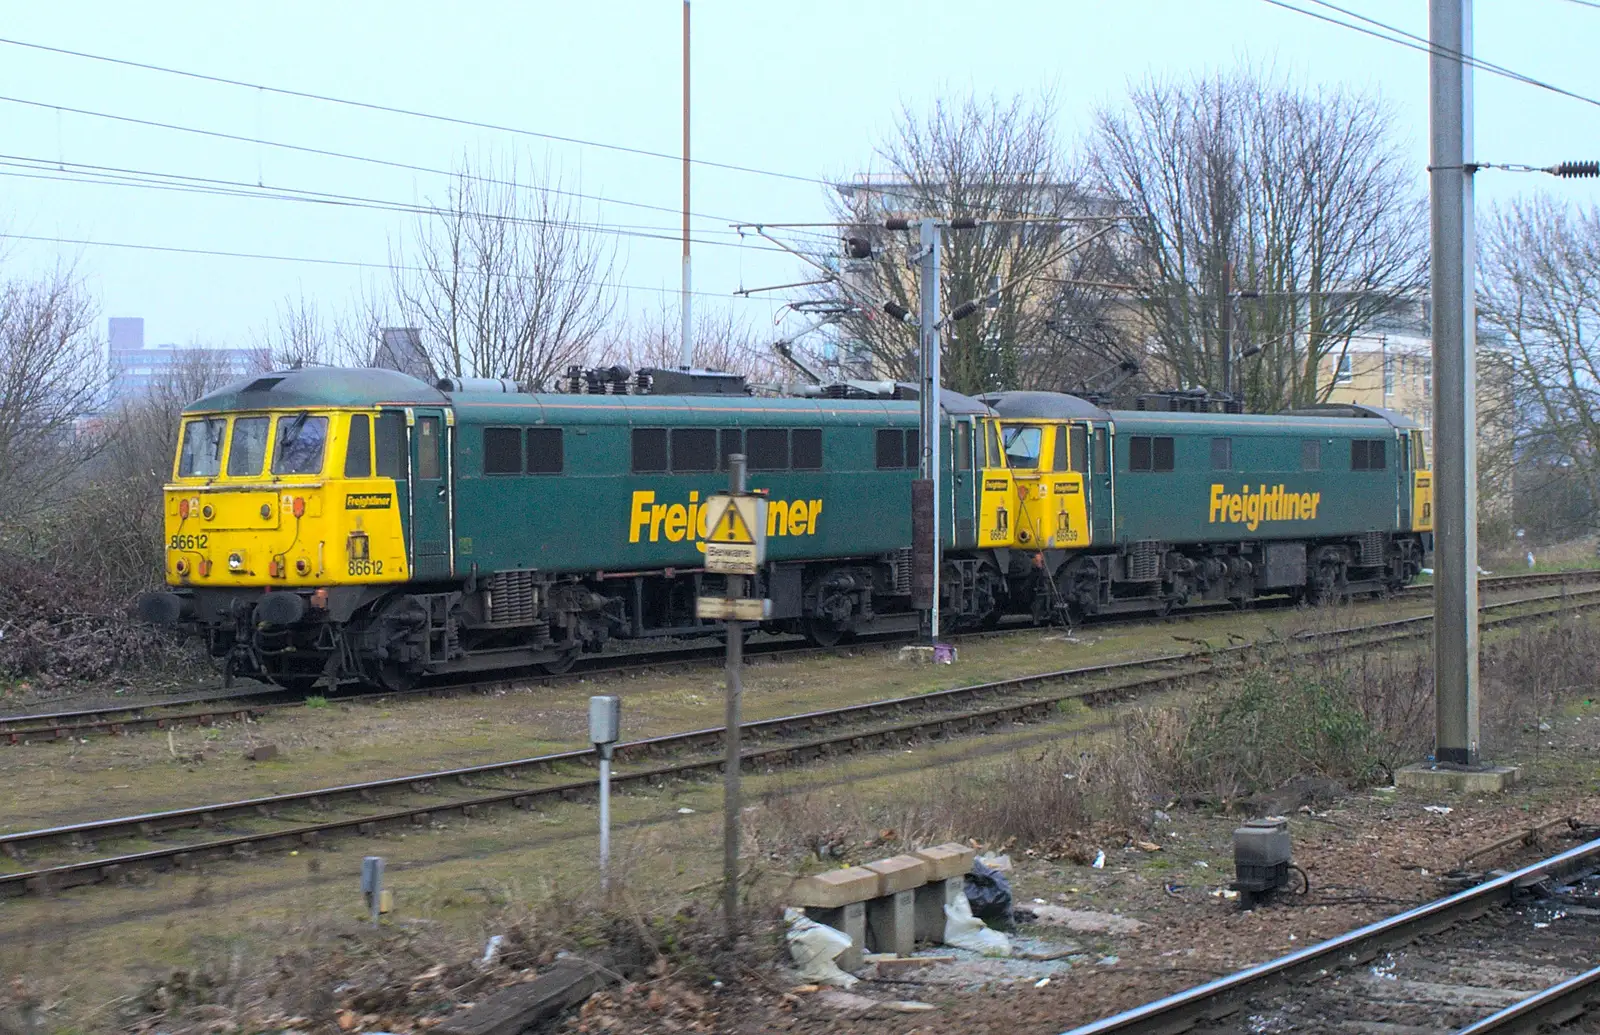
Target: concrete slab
x=892, y=923
x=898, y=873
x=1427, y=776
x=946, y=860
x=929, y=654
x=835, y=888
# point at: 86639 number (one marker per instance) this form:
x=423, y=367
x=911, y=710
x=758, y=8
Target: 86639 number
x=188, y=542
x=366, y=567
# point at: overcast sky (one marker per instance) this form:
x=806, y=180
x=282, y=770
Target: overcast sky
x=803, y=89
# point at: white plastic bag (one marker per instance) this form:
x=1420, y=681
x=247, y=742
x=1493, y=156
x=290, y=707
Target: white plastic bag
x=965, y=931
x=814, y=947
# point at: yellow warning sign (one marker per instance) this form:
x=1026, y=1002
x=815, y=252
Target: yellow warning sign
x=736, y=519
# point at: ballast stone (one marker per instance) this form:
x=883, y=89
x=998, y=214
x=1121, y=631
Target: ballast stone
x=899, y=873
x=834, y=888
x=946, y=860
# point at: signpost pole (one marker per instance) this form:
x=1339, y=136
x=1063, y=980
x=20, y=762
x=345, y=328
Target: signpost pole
x=928, y=333
x=730, y=765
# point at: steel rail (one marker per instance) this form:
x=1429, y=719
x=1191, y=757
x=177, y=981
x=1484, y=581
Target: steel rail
x=1217, y=999
x=1578, y=995
x=114, y=719
x=149, y=824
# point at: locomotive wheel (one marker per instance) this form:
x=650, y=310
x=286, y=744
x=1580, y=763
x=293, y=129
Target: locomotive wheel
x=392, y=677
x=561, y=665
x=822, y=632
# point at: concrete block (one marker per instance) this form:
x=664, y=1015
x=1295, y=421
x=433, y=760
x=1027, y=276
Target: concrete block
x=262, y=753
x=935, y=654
x=899, y=873
x=947, y=860
x=852, y=920
x=835, y=888
x=1489, y=779
x=931, y=899
x=892, y=923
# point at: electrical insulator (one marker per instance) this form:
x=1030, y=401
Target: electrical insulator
x=858, y=247
x=963, y=223
x=964, y=310
x=896, y=310
x=1576, y=170
x=897, y=224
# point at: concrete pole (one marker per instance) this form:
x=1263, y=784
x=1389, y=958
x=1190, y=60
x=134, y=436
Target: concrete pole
x=730, y=761
x=928, y=333
x=605, y=818
x=685, y=303
x=1455, y=564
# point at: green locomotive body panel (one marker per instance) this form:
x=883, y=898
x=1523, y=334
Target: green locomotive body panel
x=1226, y=477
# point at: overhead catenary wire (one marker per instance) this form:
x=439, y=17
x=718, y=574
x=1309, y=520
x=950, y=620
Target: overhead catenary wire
x=68, y=172
x=390, y=109
x=350, y=157
x=319, y=261
x=1414, y=42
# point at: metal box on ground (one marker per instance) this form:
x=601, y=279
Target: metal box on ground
x=1261, y=859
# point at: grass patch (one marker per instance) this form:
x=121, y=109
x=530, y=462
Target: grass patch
x=316, y=701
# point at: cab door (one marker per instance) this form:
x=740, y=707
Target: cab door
x=996, y=506
x=1066, y=516
x=964, y=482
x=1024, y=448
x=430, y=493
x=1421, y=484
x=1101, y=502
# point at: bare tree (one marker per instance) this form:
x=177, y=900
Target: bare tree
x=999, y=162
x=723, y=340
x=52, y=377
x=1305, y=196
x=503, y=278
x=303, y=333
x=1539, y=286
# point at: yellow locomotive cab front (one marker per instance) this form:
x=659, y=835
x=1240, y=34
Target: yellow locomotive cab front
x=282, y=499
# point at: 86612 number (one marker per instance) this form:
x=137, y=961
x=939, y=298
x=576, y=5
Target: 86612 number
x=188, y=542
x=366, y=567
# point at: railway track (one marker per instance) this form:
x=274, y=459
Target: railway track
x=241, y=705
x=52, y=858
x=1518, y=953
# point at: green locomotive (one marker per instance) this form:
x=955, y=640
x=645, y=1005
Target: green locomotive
x=333, y=524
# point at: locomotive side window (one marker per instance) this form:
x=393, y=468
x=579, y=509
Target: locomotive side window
x=428, y=447
x=502, y=450
x=913, y=448
x=805, y=449
x=1311, y=454
x=730, y=441
x=1419, y=455
x=963, y=446
x=694, y=449
x=649, y=450
x=891, y=448
x=1222, y=454
x=1080, y=449
x=391, y=438
x=1102, y=450
x=1368, y=455
x=768, y=449
x=1146, y=453
x=358, y=447
x=546, y=451
x=247, y=450
x=200, y=455
x=1060, y=463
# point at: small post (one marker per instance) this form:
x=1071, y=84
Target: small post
x=605, y=722
x=372, y=885
x=730, y=764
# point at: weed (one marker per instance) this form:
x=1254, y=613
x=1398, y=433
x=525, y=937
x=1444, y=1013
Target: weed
x=316, y=701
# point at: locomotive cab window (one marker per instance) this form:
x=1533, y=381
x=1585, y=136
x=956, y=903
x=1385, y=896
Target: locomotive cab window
x=1419, y=455
x=649, y=450
x=247, y=448
x=546, y=451
x=300, y=445
x=358, y=447
x=963, y=446
x=1060, y=462
x=502, y=450
x=1080, y=448
x=1368, y=454
x=200, y=452
x=428, y=465
x=694, y=449
x=391, y=443
x=1022, y=442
